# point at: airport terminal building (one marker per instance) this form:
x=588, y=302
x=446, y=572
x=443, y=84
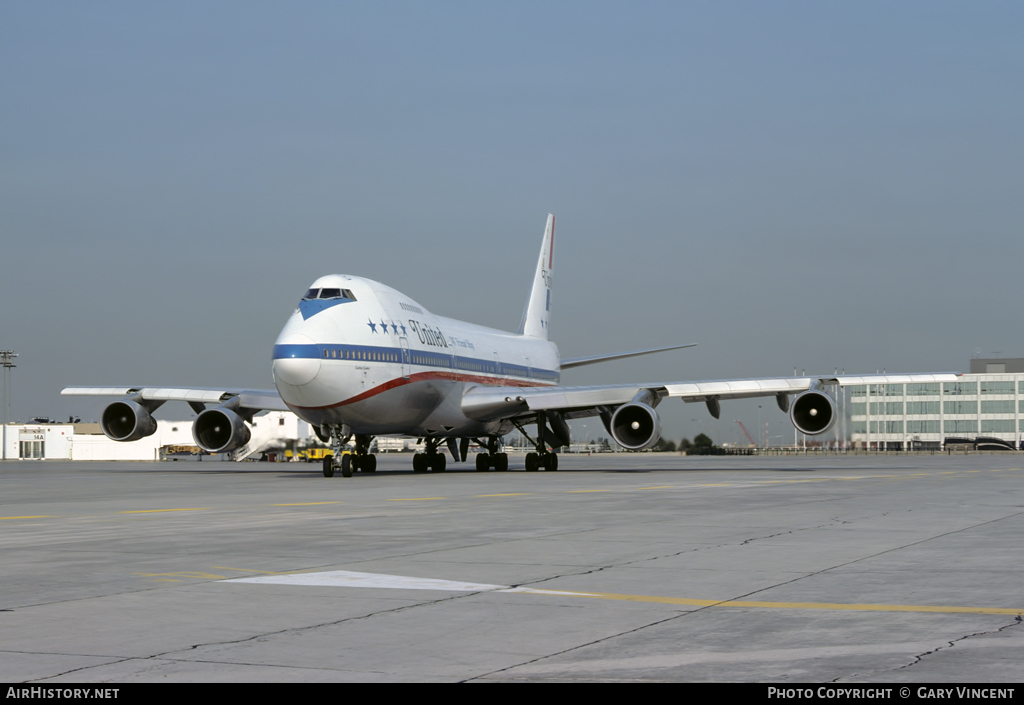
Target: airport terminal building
x=989, y=401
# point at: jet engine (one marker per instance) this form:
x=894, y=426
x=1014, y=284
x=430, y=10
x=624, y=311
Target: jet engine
x=220, y=430
x=635, y=426
x=813, y=412
x=127, y=421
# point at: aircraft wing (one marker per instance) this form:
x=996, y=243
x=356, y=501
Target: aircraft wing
x=494, y=403
x=253, y=399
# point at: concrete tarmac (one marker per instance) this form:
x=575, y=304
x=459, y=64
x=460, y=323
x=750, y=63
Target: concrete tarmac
x=626, y=567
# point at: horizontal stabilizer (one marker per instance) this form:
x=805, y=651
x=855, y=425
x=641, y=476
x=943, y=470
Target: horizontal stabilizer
x=571, y=362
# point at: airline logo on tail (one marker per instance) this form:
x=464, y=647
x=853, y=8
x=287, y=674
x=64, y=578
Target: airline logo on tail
x=538, y=306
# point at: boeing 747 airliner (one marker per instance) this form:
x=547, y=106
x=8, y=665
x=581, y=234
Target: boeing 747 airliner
x=358, y=359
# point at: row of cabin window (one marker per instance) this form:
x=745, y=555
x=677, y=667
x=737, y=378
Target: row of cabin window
x=377, y=357
x=359, y=355
x=334, y=353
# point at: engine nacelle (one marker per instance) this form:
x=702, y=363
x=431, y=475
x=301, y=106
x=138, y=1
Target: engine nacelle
x=635, y=426
x=220, y=430
x=813, y=412
x=127, y=421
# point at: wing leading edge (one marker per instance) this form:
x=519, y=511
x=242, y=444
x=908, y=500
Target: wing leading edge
x=254, y=399
x=493, y=403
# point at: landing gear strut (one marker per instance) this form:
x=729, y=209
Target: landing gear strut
x=431, y=460
x=492, y=458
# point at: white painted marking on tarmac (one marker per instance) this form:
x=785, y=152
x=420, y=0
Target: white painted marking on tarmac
x=348, y=578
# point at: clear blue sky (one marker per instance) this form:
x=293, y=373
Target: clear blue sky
x=802, y=184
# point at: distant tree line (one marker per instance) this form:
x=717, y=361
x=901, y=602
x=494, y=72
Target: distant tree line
x=700, y=445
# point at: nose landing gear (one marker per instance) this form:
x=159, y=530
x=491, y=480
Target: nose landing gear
x=360, y=461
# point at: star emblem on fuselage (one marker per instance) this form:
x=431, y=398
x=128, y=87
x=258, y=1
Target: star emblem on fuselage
x=384, y=326
x=373, y=326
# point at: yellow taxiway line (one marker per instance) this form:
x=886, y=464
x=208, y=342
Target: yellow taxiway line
x=157, y=511
x=784, y=605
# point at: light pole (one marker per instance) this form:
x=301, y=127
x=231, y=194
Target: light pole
x=7, y=361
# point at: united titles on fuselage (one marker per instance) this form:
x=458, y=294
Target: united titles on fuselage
x=462, y=342
x=428, y=335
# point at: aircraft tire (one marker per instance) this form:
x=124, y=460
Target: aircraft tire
x=346, y=466
x=531, y=462
x=438, y=462
x=551, y=462
x=483, y=462
x=419, y=462
x=500, y=462
x=328, y=464
x=369, y=463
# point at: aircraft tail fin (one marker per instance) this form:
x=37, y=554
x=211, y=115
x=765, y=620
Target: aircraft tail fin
x=538, y=306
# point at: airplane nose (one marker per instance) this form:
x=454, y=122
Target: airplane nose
x=296, y=361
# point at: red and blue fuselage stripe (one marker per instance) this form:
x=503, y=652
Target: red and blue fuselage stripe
x=467, y=366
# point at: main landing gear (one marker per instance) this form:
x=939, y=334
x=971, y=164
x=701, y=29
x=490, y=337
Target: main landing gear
x=359, y=461
x=431, y=460
x=542, y=459
x=492, y=458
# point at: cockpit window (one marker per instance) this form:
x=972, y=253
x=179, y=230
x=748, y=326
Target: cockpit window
x=329, y=293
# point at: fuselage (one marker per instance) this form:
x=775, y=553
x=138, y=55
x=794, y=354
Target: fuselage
x=360, y=353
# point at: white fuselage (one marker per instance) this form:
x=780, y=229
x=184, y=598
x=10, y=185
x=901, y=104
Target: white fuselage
x=382, y=364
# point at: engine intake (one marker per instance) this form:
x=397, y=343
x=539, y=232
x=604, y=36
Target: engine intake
x=813, y=412
x=635, y=426
x=220, y=430
x=127, y=421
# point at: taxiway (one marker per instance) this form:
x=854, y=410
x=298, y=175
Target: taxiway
x=625, y=567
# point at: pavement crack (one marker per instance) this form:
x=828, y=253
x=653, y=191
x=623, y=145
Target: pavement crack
x=951, y=644
x=674, y=554
x=76, y=670
x=875, y=555
x=313, y=627
x=572, y=648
